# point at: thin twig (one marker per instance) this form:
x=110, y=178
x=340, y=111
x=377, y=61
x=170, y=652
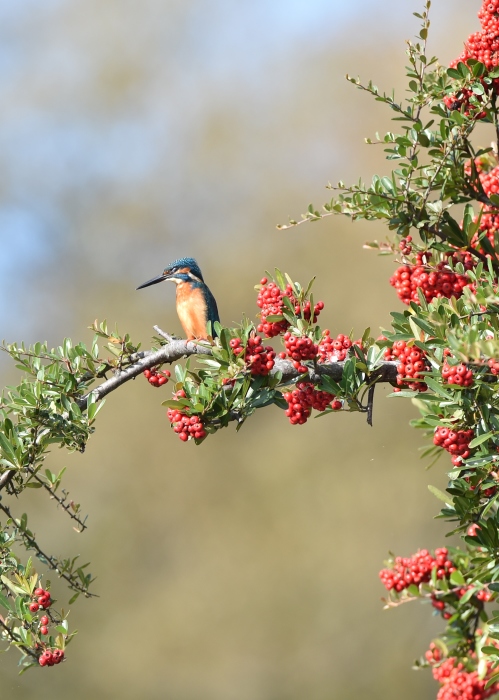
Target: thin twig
x=163, y=334
x=370, y=405
x=17, y=640
x=60, y=501
x=52, y=562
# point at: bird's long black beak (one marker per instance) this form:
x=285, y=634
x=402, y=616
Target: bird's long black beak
x=155, y=280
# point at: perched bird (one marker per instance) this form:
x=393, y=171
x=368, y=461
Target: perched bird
x=196, y=305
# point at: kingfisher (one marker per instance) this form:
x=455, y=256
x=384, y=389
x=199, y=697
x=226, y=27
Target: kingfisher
x=196, y=305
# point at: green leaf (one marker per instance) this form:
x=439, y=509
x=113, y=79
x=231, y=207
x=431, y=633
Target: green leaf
x=490, y=650
x=4, y=602
x=481, y=438
x=280, y=279
x=15, y=589
x=437, y=388
x=8, y=450
x=446, y=498
x=457, y=579
x=492, y=680
x=63, y=627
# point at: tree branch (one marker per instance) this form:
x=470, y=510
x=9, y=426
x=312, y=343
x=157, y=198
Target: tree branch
x=174, y=350
x=177, y=348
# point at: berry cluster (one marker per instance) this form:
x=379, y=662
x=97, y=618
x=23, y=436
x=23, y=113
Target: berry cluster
x=335, y=349
x=259, y=359
x=481, y=46
x=457, y=374
x=489, y=224
x=185, y=426
x=304, y=398
x=456, y=101
x=456, y=442
x=494, y=366
x=156, y=378
x=456, y=681
x=405, y=246
x=270, y=301
x=489, y=218
x=412, y=361
x=307, y=310
x=50, y=657
x=438, y=282
x=43, y=600
x=483, y=596
x=416, y=569
x=299, y=349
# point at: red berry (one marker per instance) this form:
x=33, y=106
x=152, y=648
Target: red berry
x=34, y=607
x=44, y=630
x=471, y=531
x=44, y=620
x=58, y=655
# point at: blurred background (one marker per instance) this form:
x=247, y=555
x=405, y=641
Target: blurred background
x=132, y=133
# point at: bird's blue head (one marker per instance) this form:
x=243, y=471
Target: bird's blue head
x=183, y=269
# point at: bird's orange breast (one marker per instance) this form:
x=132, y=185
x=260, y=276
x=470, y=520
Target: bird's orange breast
x=191, y=310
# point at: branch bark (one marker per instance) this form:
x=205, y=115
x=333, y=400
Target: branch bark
x=177, y=348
